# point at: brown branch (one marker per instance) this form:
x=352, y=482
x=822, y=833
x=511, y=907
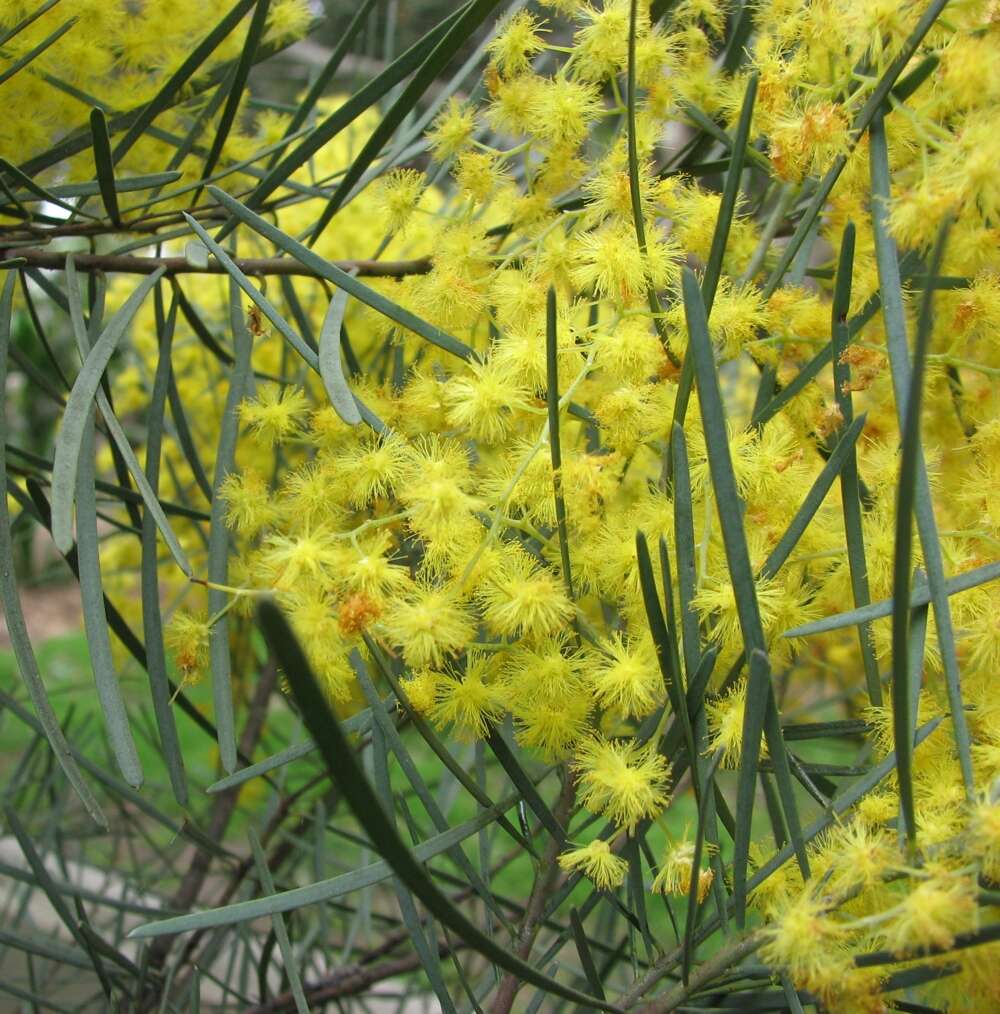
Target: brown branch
x=186, y=896
x=700, y=976
x=126, y=264
x=545, y=878
x=348, y=981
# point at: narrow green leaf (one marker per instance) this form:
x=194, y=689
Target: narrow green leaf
x=267, y=307
x=850, y=486
x=76, y=414
x=586, y=957
x=118, y=436
x=343, y=280
x=152, y=619
x=36, y=51
x=720, y=237
x=666, y=650
x=555, y=443
x=635, y=193
x=409, y=768
x=730, y=195
x=918, y=597
x=36, y=190
x=100, y=773
x=431, y=738
x=359, y=722
x=55, y=898
x=103, y=165
x=123, y=185
x=238, y=82
x=470, y=18
x=171, y=89
x=398, y=70
x=504, y=753
x=761, y=709
x=278, y=925
x=903, y=674
x=29, y=19
x=330, y=368
x=322, y=891
x=95, y=622
x=16, y=626
x=691, y=918
x=184, y=435
x=901, y=373
x=218, y=534
x=428, y=954
x=347, y=774
x=813, y=499
x=318, y=88
x=684, y=547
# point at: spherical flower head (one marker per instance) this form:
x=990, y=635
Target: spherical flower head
x=716, y=603
x=631, y=353
x=676, y=870
x=622, y=781
x=399, y=194
x=248, y=506
x=725, y=725
x=608, y=259
x=860, y=856
x=287, y=19
x=628, y=677
x=275, y=414
x=565, y=111
x=186, y=636
x=600, y=47
x=516, y=42
x=808, y=944
x=931, y=914
x=373, y=469
x=368, y=568
x=550, y=726
x=478, y=174
x=307, y=555
x=421, y=690
x=481, y=402
x=452, y=130
x=437, y=487
x=471, y=702
x=523, y=598
x=597, y=863
x=430, y=624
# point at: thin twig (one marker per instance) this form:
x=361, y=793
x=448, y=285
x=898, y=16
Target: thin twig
x=126, y=264
x=545, y=878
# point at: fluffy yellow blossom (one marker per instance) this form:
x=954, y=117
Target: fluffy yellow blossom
x=598, y=863
x=676, y=870
x=186, y=638
x=622, y=781
x=523, y=598
x=516, y=42
x=429, y=624
x=931, y=914
x=469, y=702
x=276, y=413
x=629, y=677
x=400, y=193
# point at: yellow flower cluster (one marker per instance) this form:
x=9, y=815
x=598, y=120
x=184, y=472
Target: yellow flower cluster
x=434, y=539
